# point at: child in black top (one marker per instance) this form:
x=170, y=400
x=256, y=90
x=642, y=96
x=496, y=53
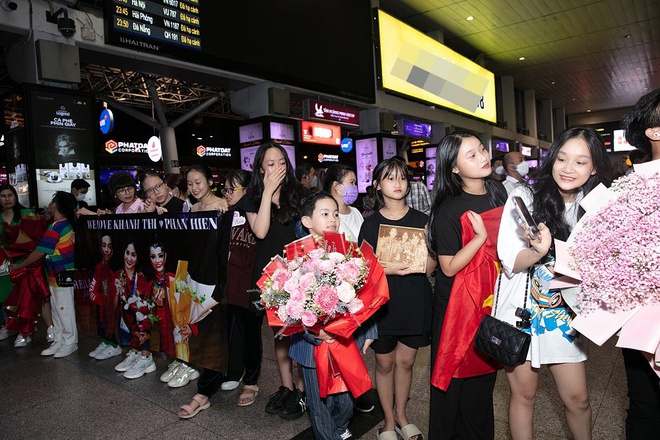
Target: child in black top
x=404, y=323
x=465, y=409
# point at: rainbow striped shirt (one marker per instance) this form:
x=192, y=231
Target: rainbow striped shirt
x=57, y=244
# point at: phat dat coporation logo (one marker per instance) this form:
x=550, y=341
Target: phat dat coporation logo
x=111, y=146
x=201, y=151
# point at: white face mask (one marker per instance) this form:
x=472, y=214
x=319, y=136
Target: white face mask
x=499, y=170
x=314, y=182
x=81, y=197
x=523, y=168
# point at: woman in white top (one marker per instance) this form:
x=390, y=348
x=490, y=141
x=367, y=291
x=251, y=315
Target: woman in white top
x=340, y=181
x=575, y=164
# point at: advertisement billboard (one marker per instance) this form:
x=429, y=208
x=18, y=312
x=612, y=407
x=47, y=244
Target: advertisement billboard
x=63, y=127
x=366, y=157
x=418, y=66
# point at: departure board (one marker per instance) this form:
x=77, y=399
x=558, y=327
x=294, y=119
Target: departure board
x=155, y=23
x=323, y=46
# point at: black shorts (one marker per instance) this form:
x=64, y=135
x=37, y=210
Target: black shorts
x=387, y=344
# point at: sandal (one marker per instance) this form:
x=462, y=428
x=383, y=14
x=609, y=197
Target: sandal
x=248, y=396
x=385, y=435
x=409, y=431
x=191, y=412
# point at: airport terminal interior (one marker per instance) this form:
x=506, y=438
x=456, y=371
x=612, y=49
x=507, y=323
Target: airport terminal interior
x=522, y=71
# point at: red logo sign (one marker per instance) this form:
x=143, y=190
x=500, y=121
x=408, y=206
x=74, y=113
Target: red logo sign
x=111, y=146
x=201, y=151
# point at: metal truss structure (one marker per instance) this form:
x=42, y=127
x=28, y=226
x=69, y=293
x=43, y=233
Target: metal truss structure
x=175, y=95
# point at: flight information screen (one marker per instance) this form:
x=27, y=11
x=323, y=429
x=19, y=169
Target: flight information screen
x=322, y=46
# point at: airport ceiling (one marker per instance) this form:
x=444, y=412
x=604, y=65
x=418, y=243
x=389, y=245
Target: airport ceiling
x=584, y=55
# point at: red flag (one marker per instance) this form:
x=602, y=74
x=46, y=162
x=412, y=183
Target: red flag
x=471, y=298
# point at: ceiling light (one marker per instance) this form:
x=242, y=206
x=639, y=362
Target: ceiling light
x=588, y=110
x=626, y=36
x=553, y=83
x=470, y=18
x=521, y=59
x=599, y=129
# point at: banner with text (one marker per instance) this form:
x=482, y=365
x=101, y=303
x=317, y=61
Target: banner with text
x=155, y=282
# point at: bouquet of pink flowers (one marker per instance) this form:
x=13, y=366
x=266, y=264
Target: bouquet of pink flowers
x=330, y=284
x=312, y=288
x=617, y=251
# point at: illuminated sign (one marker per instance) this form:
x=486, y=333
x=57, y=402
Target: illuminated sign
x=620, y=142
x=113, y=147
x=106, y=121
x=332, y=113
x=526, y=151
x=328, y=157
x=154, y=149
x=416, y=65
x=417, y=129
x=213, y=151
x=250, y=132
x=316, y=133
x=281, y=131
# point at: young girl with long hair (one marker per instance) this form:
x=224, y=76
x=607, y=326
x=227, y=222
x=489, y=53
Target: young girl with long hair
x=271, y=206
x=465, y=408
x=404, y=322
x=576, y=163
x=340, y=181
x=200, y=186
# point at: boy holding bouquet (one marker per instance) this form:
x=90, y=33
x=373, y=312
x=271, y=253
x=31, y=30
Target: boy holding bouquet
x=330, y=416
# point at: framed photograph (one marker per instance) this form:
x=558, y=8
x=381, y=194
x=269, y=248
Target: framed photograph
x=401, y=245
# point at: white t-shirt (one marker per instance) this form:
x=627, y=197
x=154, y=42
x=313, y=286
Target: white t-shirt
x=553, y=339
x=350, y=224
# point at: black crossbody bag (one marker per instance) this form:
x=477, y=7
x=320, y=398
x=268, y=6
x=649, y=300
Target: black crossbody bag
x=500, y=340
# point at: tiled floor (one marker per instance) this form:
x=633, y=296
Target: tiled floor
x=80, y=398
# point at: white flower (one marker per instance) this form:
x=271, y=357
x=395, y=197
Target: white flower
x=345, y=292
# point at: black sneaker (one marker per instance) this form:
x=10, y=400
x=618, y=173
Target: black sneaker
x=362, y=404
x=295, y=405
x=277, y=399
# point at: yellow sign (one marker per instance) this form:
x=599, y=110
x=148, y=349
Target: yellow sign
x=418, y=66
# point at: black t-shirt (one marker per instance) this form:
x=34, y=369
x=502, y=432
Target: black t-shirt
x=448, y=240
x=273, y=243
x=174, y=205
x=408, y=312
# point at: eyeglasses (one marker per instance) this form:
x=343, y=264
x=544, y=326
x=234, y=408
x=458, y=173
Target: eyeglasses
x=154, y=188
x=230, y=191
x=126, y=190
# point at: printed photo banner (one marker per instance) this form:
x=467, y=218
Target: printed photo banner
x=155, y=282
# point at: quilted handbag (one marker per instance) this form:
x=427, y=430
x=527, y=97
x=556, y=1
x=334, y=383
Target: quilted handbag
x=500, y=340
x=503, y=342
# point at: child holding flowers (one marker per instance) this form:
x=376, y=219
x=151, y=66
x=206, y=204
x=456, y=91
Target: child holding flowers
x=404, y=323
x=330, y=416
x=575, y=164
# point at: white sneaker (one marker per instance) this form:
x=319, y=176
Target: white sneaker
x=98, y=349
x=22, y=341
x=52, y=349
x=66, y=350
x=229, y=385
x=171, y=371
x=50, y=334
x=4, y=333
x=183, y=376
x=143, y=365
x=108, y=352
x=131, y=358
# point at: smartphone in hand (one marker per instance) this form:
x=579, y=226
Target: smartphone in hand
x=525, y=218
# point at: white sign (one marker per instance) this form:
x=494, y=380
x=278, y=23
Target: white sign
x=154, y=149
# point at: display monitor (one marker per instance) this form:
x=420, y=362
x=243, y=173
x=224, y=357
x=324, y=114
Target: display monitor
x=620, y=142
x=526, y=151
x=317, y=133
x=501, y=146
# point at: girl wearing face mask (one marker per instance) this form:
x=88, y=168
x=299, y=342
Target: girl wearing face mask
x=341, y=182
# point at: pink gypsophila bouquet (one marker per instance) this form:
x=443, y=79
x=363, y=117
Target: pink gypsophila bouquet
x=313, y=288
x=617, y=252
